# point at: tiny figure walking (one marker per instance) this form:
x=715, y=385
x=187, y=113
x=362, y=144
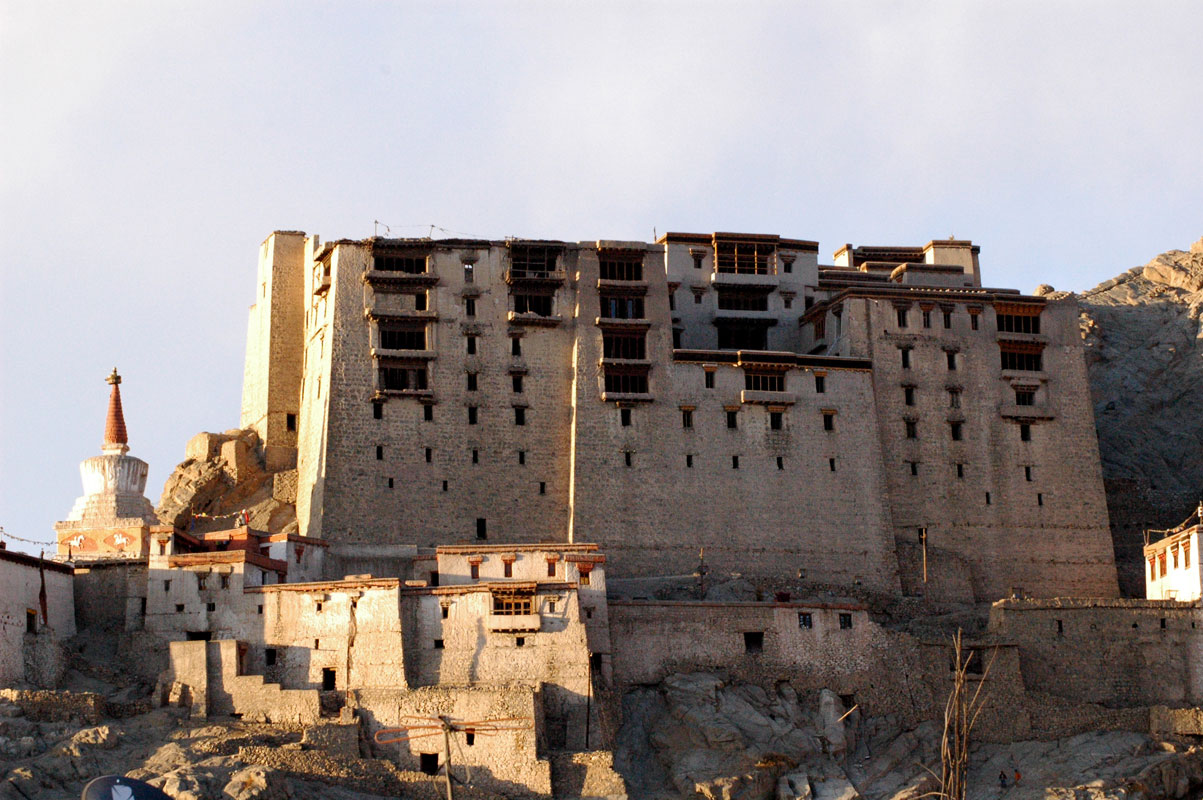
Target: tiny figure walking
x=1002, y=779
x=1017, y=776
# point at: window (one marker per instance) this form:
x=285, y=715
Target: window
x=444, y=486
x=411, y=263
x=901, y=313
x=519, y=641
x=628, y=457
x=626, y=381
x=429, y=455
x=787, y=264
x=1025, y=432
x=551, y=569
x=624, y=345
x=734, y=462
x=428, y=763
x=1040, y=502
x=508, y=569
x=469, y=273
x=469, y=737
x=732, y=419
x=709, y=379
x=621, y=307
x=1027, y=361
x=952, y=359
x=831, y=464
x=741, y=256
x=927, y=318
x=742, y=337
x=960, y=470
x=403, y=379
x=780, y=463
x=470, y=306
x=471, y=345
x=517, y=379
x=906, y=357
x=515, y=346
x=775, y=420
x=1019, y=323
x=31, y=621
x=687, y=418
x=179, y=608
x=764, y=381
x=1186, y=554
x=1161, y=563
x=908, y=395
x=532, y=261
x=519, y=415
x=471, y=381
x=689, y=461
x=210, y=607
x=987, y=498
x=482, y=528
x=166, y=586
x=1027, y=473
x=620, y=266
x=290, y=422
x=512, y=605
x=471, y=415
x=845, y=621
x=954, y=398
x=973, y=320
x=1025, y=397
x=828, y=421
x=377, y=410
x=428, y=413
x=805, y=620
x=434, y=580
x=269, y=656
x=697, y=298
x=624, y=416
x=474, y=571
x=743, y=301
x=521, y=457
x=787, y=301
x=955, y=429
x=475, y=456
x=914, y=468
x=438, y=644
x=539, y=304
x=400, y=336
x=419, y=301
x=225, y=581
x=753, y=641
x=677, y=333
x=542, y=487
x=201, y=580
x=912, y=429
x=820, y=384
x=947, y=319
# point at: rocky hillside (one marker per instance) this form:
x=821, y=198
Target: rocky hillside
x=1144, y=354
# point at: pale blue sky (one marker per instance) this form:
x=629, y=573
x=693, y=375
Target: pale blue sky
x=147, y=148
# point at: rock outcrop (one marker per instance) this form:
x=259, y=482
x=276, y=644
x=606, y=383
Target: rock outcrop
x=1144, y=354
x=222, y=476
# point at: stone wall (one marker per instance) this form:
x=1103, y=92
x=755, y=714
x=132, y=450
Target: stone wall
x=112, y=594
x=1115, y=653
x=23, y=659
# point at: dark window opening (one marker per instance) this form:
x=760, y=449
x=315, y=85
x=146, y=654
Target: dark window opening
x=1025, y=432
x=469, y=273
x=973, y=321
x=532, y=261
x=960, y=470
x=542, y=487
x=519, y=415
x=511, y=605
x=290, y=422
x=620, y=266
x=225, y=581
x=1060, y=627
x=987, y=498
x=912, y=429
x=379, y=452
x=1025, y=397
x=625, y=381
x=31, y=621
x=551, y=569
x=413, y=264
x=955, y=430
x=914, y=467
x=482, y=528
x=470, y=306
x=519, y=641
x=906, y=357
x=709, y=379
x=740, y=337
x=428, y=763
x=623, y=345
x=947, y=319
x=753, y=641
x=428, y=413
x=743, y=301
x=517, y=381
x=402, y=337
x=521, y=456
x=508, y=569
x=198, y=636
x=805, y=620
x=515, y=346
x=628, y=457
x=732, y=419
x=624, y=416
x=764, y=381
x=1019, y=323
x=471, y=345
x=908, y=395
x=901, y=314
x=734, y=462
x=952, y=359
x=469, y=737
x=621, y=307
x=377, y=410
x=689, y=461
x=754, y=258
x=831, y=464
x=775, y=420
x=403, y=378
x=780, y=463
x=474, y=571
x=471, y=415
x=420, y=301
x=845, y=621
x=820, y=384
x=444, y=486
x=434, y=577
x=687, y=418
x=1039, y=499
x=677, y=333
x=926, y=318
x=828, y=421
x=1023, y=361
x=471, y=381
x=1027, y=473
x=269, y=656
x=475, y=456
x=539, y=304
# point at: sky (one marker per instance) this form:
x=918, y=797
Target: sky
x=146, y=149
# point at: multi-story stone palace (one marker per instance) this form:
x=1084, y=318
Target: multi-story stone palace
x=884, y=420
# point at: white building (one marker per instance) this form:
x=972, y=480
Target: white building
x=1172, y=571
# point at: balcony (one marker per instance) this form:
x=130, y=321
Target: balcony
x=738, y=279
x=640, y=324
x=518, y=276
x=404, y=355
x=1040, y=411
x=533, y=319
x=384, y=281
x=764, y=398
x=504, y=623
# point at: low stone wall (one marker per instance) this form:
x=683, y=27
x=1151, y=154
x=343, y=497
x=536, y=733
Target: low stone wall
x=47, y=706
x=1180, y=721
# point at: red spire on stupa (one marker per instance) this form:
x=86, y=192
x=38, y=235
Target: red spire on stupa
x=115, y=437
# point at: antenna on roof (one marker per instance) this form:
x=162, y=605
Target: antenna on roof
x=376, y=226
